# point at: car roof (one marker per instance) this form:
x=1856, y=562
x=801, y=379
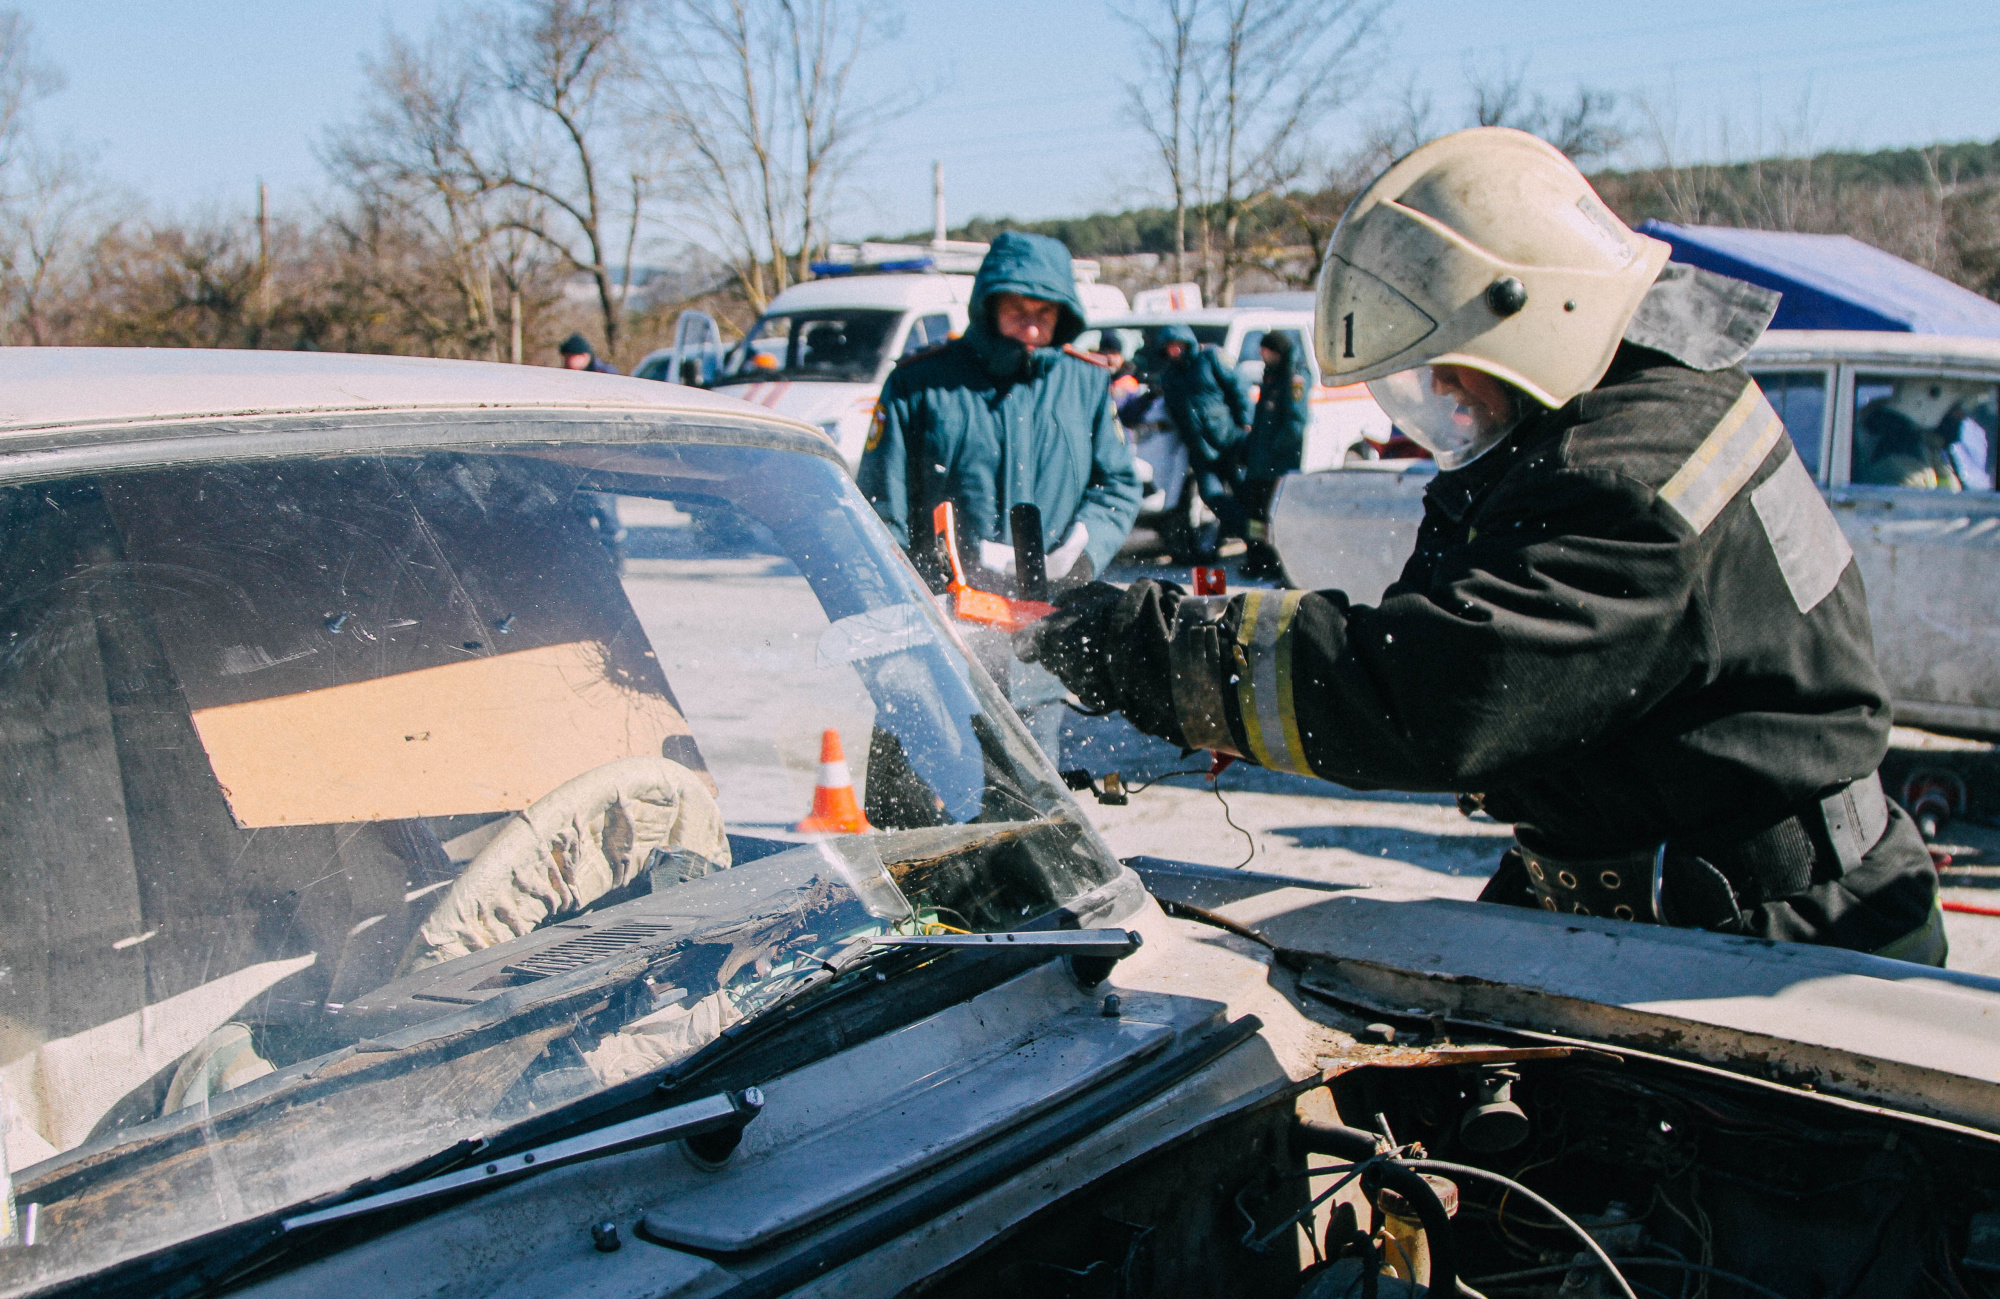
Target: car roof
x=1880, y=346
x=1204, y=316
x=890, y=291
x=68, y=387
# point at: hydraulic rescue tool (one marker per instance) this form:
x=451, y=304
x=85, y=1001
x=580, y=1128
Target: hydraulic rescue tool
x=969, y=602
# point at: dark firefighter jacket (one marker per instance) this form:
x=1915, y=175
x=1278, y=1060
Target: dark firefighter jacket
x=1633, y=621
x=1205, y=398
x=1278, y=431
x=987, y=424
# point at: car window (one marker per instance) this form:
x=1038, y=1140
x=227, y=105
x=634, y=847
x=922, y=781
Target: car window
x=1927, y=432
x=1250, y=356
x=1799, y=397
x=655, y=367
x=927, y=331
x=1130, y=340
x=1206, y=335
x=830, y=346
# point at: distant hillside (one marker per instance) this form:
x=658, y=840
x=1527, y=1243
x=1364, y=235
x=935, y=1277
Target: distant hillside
x=1938, y=207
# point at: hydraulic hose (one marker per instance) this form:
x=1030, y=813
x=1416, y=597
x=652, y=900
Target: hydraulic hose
x=1321, y=1138
x=1456, y=1171
x=1399, y=1177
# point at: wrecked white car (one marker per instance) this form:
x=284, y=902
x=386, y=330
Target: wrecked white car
x=401, y=893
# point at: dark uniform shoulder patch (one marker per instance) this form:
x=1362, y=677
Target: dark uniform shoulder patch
x=1095, y=358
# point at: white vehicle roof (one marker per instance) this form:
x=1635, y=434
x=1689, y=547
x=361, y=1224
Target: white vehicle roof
x=57, y=387
x=1207, y=316
x=1879, y=346
x=909, y=292
x=917, y=292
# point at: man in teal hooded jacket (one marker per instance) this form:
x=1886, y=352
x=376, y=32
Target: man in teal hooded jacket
x=1008, y=415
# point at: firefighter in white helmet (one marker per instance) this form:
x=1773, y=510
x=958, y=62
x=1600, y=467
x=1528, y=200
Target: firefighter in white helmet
x=1630, y=627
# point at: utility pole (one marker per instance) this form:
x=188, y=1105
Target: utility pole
x=263, y=249
x=514, y=315
x=937, y=204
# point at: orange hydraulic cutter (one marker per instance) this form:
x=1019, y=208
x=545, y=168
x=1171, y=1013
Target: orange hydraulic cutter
x=969, y=602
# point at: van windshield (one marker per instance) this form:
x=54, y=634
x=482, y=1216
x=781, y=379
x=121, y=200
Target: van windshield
x=824, y=346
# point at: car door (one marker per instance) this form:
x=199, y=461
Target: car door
x=697, y=349
x=1913, y=486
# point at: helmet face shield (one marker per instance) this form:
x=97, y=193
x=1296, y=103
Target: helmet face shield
x=1455, y=417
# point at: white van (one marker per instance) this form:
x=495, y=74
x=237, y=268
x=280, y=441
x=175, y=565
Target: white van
x=1346, y=422
x=822, y=349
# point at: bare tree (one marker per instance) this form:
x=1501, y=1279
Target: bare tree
x=1272, y=72
x=24, y=78
x=49, y=228
x=414, y=160
x=1161, y=100
x=1232, y=91
x=1589, y=127
x=565, y=68
x=49, y=202
x=761, y=96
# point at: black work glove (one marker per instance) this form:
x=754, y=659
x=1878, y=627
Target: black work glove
x=1109, y=647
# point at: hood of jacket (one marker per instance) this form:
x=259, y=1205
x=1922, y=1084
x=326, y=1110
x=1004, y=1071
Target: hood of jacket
x=1033, y=266
x=1280, y=345
x=1156, y=351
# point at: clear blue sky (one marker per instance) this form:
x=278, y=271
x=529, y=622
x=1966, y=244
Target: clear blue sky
x=189, y=104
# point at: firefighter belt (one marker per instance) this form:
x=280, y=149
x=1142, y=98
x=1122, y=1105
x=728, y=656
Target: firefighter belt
x=1708, y=885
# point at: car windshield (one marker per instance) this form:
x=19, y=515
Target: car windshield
x=361, y=804
x=830, y=346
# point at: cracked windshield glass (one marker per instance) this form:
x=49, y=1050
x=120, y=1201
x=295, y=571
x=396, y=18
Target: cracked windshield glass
x=362, y=805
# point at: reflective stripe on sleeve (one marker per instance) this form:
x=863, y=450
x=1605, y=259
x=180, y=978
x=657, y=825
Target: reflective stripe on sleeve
x=1264, y=693
x=1725, y=459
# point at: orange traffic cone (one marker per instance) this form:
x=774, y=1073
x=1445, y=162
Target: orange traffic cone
x=834, y=810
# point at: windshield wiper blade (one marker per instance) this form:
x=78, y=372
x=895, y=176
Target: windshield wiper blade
x=1116, y=944
x=721, y=1117
x=1090, y=952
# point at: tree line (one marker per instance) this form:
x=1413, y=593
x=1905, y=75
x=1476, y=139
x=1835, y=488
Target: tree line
x=1254, y=193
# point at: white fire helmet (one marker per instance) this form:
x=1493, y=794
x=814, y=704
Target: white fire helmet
x=1485, y=249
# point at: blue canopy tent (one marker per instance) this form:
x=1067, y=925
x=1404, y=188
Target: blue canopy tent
x=1833, y=281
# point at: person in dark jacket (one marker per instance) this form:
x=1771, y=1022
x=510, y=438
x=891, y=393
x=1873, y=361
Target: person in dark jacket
x=1277, y=441
x=598, y=509
x=577, y=354
x=1009, y=414
x=1630, y=627
x=1210, y=408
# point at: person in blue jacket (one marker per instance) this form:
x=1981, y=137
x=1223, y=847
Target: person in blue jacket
x=1210, y=407
x=1009, y=414
x=1277, y=441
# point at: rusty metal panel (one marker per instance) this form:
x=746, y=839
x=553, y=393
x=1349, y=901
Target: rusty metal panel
x=1905, y=1037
